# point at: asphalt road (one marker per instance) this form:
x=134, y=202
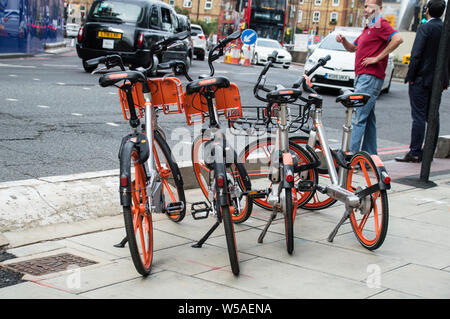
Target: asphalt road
x=55, y=119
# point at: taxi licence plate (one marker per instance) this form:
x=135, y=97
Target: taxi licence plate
x=109, y=35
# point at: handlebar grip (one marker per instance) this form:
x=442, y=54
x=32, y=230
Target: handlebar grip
x=96, y=61
x=324, y=60
x=273, y=56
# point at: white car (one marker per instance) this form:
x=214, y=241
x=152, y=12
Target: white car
x=72, y=30
x=339, y=72
x=263, y=47
x=199, y=40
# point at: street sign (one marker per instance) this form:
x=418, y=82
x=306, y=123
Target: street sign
x=249, y=36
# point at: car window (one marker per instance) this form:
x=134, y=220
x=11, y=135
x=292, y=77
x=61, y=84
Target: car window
x=166, y=19
x=268, y=44
x=330, y=43
x=116, y=11
x=154, y=18
x=175, y=23
x=196, y=30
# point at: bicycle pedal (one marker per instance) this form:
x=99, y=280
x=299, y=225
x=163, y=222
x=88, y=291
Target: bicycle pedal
x=175, y=208
x=257, y=194
x=305, y=186
x=200, y=210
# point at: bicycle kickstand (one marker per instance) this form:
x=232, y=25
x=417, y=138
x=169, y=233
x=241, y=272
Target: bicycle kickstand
x=343, y=219
x=263, y=233
x=122, y=243
x=204, y=238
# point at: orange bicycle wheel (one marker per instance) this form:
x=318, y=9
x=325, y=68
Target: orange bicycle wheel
x=242, y=208
x=138, y=221
x=256, y=158
x=370, y=222
x=319, y=200
x=171, y=179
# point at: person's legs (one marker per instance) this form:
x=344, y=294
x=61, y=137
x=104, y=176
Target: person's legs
x=419, y=97
x=365, y=123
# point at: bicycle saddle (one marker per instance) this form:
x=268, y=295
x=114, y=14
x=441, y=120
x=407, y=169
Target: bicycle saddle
x=284, y=95
x=198, y=85
x=114, y=77
x=352, y=99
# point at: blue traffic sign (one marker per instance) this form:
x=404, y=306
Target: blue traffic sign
x=249, y=36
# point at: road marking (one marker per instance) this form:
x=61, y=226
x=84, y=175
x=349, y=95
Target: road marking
x=86, y=88
x=76, y=114
x=13, y=75
x=36, y=79
x=43, y=106
x=17, y=66
x=60, y=83
x=12, y=100
x=112, y=124
x=61, y=65
x=113, y=93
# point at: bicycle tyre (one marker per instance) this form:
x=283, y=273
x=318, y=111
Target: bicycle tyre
x=237, y=171
x=137, y=222
x=303, y=156
x=169, y=176
x=379, y=203
x=289, y=220
x=319, y=200
x=230, y=238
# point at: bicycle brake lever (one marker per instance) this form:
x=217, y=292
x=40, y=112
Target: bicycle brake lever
x=99, y=69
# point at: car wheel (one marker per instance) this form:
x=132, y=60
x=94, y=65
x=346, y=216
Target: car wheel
x=255, y=59
x=201, y=56
x=187, y=62
x=87, y=68
x=286, y=66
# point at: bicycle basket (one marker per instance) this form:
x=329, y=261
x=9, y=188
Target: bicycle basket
x=167, y=93
x=228, y=104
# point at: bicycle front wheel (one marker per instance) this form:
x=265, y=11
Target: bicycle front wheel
x=230, y=238
x=370, y=223
x=138, y=223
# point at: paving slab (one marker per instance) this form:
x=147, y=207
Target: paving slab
x=326, y=258
x=418, y=280
x=276, y=279
x=434, y=217
x=393, y=294
x=171, y=285
x=29, y=290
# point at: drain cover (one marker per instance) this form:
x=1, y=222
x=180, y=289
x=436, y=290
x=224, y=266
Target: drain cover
x=50, y=264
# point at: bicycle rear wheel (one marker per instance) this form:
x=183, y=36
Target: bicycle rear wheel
x=169, y=171
x=319, y=200
x=289, y=214
x=242, y=208
x=370, y=223
x=256, y=158
x=138, y=222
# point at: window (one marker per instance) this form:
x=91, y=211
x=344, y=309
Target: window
x=316, y=16
x=317, y=2
x=300, y=1
x=166, y=19
x=335, y=3
x=172, y=2
x=334, y=17
x=299, y=16
x=187, y=3
x=292, y=12
x=208, y=4
x=207, y=19
x=154, y=17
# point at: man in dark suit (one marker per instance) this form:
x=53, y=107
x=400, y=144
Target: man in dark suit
x=420, y=77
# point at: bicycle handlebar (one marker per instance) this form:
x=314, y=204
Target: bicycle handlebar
x=262, y=77
x=212, y=56
x=301, y=82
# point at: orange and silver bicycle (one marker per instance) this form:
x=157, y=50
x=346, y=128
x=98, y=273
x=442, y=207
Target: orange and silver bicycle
x=150, y=180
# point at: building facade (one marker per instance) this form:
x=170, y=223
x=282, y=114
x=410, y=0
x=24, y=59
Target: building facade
x=204, y=10
x=322, y=16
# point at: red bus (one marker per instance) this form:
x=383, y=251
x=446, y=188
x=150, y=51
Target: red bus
x=266, y=17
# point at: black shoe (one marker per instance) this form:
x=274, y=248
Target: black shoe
x=409, y=158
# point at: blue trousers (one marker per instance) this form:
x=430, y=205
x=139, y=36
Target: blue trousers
x=419, y=97
x=364, y=125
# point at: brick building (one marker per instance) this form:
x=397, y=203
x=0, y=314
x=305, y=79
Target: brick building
x=205, y=10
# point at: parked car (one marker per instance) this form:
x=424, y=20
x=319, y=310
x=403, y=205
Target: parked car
x=199, y=39
x=71, y=29
x=128, y=28
x=185, y=25
x=339, y=73
x=263, y=47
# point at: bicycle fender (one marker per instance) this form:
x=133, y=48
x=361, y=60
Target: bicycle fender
x=288, y=169
x=125, y=171
x=385, y=180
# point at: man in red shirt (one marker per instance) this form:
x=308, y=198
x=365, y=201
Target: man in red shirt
x=372, y=48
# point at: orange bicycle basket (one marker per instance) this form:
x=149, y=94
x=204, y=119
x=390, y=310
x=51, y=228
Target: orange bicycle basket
x=228, y=103
x=167, y=93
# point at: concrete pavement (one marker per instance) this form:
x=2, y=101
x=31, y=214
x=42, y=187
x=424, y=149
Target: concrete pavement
x=413, y=262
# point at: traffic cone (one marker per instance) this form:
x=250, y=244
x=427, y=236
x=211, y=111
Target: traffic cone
x=234, y=56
